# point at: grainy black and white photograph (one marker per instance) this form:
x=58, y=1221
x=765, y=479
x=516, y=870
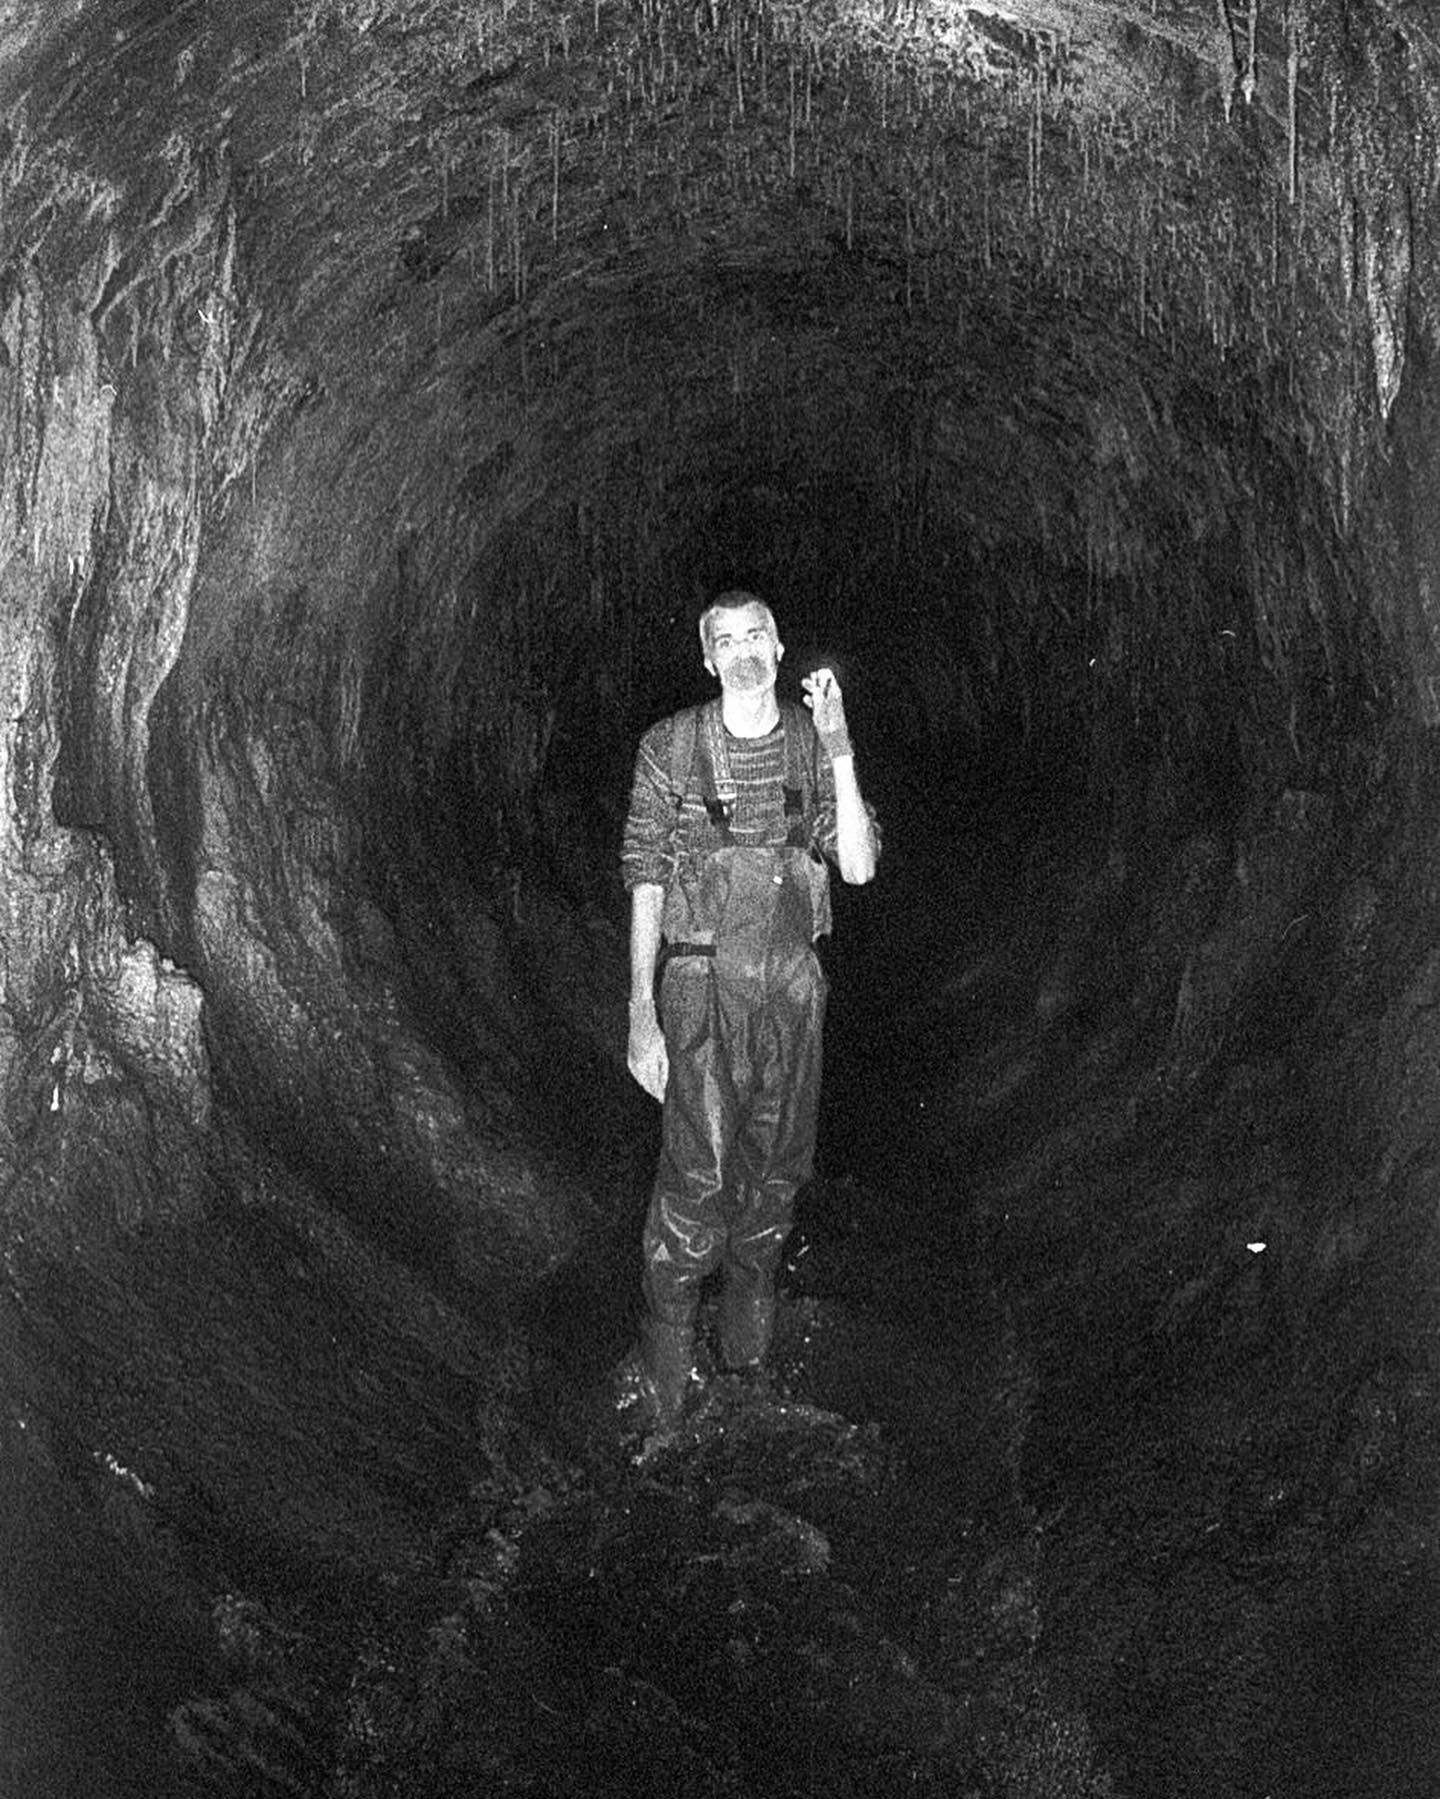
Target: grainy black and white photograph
x=719, y=899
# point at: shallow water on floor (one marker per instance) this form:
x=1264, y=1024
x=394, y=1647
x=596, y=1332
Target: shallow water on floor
x=1030, y=1509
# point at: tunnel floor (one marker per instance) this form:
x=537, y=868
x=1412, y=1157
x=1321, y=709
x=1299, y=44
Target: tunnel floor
x=999, y=1524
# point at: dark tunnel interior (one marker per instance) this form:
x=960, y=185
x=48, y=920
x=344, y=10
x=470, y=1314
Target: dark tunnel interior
x=386, y=386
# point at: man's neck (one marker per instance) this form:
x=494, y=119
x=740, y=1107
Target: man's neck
x=750, y=714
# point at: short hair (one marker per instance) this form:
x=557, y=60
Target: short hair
x=731, y=601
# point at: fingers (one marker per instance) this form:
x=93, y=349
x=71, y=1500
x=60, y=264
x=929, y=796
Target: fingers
x=654, y=1073
x=651, y=1068
x=822, y=693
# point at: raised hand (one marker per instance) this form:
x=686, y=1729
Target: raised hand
x=827, y=706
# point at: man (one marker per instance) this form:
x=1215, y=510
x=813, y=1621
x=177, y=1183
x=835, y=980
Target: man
x=734, y=806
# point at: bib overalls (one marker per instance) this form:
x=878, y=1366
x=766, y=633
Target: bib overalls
x=742, y=1004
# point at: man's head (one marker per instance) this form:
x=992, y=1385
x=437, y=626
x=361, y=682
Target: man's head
x=741, y=644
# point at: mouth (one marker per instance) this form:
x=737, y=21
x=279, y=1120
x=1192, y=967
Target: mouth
x=747, y=671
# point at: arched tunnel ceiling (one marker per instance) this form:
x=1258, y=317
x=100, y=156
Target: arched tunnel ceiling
x=411, y=335
x=471, y=314
x=527, y=240
x=383, y=383
x=431, y=330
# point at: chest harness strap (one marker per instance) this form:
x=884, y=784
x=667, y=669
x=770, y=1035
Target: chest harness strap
x=699, y=738
x=706, y=743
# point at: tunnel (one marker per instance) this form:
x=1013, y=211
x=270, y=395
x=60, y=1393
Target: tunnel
x=387, y=386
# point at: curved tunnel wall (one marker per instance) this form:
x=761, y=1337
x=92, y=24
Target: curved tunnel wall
x=385, y=385
x=385, y=392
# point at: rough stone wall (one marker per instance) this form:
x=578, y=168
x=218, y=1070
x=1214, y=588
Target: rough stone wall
x=79, y=992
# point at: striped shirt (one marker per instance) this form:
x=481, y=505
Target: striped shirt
x=757, y=818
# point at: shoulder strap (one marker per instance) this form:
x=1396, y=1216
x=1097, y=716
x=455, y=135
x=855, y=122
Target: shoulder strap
x=687, y=749
x=683, y=737
x=800, y=781
x=717, y=789
x=801, y=745
x=692, y=764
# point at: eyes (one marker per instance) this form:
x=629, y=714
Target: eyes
x=727, y=640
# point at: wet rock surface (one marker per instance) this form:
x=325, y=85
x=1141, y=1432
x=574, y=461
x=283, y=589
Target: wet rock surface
x=383, y=383
x=996, y=1524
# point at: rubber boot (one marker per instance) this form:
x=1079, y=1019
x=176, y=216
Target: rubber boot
x=747, y=1319
x=669, y=1351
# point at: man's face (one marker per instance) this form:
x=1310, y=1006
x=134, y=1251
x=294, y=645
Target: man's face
x=744, y=650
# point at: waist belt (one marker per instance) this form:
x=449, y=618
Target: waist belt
x=672, y=950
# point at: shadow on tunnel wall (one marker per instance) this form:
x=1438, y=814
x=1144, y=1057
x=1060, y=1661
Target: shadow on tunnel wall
x=384, y=387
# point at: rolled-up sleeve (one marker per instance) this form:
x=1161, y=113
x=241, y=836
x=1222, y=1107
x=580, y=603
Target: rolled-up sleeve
x=648, y=853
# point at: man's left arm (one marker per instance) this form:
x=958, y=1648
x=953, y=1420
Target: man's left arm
x=856, y=851
x=856, y=848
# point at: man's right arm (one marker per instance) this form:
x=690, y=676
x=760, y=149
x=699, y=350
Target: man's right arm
x=646, y=1053
x=647, y=862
